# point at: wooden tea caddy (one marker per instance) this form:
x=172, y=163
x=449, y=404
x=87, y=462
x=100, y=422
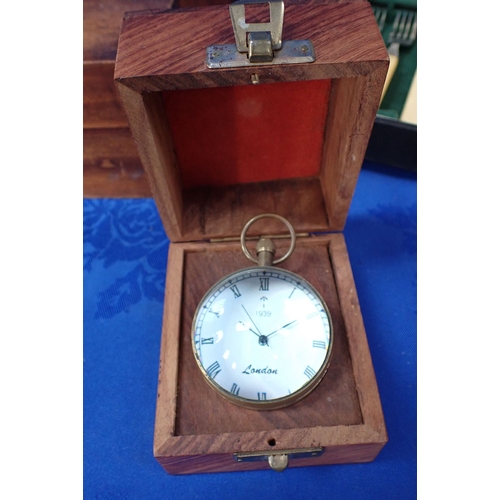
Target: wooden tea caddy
x=222, y=145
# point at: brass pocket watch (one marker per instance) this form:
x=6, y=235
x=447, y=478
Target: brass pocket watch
x=262, y=336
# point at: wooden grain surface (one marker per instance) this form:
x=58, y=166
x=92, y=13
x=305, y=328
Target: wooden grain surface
x=362, y=366
x=102, y=21
x=150, y=130
x=222, y=212
x=101, y=104
x=111, y=167
x=217, y=462
x=197, y=431
x=184, y=4
x=344, y=33
x=353, y=108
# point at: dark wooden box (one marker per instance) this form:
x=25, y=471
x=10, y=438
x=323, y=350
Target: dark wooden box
x=218, y=150
x=111, y=164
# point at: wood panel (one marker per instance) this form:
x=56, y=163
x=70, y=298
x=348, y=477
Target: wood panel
x=147, y=114
x=102, y=107
x=206, y=214
x=102, y=21
x=353, y=107
x=364, y=374
x=184, y=4
x=345, y=36
x=343, y=454
x=111, y=165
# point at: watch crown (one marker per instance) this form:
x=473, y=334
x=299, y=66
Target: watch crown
x=265, y=245
x=265, y=251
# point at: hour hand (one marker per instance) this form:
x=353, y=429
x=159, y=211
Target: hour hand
x=248, y=328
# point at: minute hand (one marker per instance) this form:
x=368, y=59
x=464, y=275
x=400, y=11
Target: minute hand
x=250, y=317
x=283, y=327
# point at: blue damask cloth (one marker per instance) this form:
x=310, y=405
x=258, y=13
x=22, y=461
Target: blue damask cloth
x=125, y=255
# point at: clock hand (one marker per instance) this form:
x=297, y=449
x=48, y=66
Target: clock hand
x=255, y=333
x=262, y=338
x=283, y=327
x=251, y=319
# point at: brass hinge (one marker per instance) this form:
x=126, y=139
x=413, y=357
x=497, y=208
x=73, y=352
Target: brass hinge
x=259, y=43
x=278, y=460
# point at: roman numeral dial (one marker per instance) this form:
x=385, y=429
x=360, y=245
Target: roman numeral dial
x=309, y=372
x=264, y=284
x=214, y=369
x=262, y=337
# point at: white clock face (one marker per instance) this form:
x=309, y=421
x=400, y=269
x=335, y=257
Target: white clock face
x=262, y=337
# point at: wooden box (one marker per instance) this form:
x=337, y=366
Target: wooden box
x=219, y=149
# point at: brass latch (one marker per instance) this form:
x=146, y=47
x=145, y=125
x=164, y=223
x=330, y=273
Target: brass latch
x=278, y=460
x=259, y=43
x=260, y=40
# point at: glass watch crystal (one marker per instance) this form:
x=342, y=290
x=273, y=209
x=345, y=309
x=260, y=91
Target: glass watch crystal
x=262, y=336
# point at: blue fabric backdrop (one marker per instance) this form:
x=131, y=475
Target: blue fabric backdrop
x=125, y=254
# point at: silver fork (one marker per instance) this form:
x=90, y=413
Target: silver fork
x=380, y=15
x=403, y=33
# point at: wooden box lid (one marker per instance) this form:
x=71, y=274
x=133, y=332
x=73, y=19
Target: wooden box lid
x=218, y=149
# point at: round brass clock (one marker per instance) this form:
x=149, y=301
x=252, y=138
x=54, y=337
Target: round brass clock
x=262, y=336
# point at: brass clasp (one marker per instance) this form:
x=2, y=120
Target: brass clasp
x=259, y=43
x=258, y=39
x=279, y=459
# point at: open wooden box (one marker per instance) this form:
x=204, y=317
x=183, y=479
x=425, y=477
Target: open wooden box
x=218, y=150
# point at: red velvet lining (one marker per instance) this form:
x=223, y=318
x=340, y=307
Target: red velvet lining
x=253, y=133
